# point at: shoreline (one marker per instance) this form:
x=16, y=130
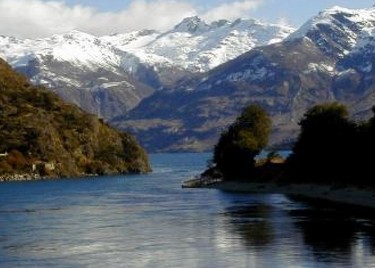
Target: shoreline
x=37, y=177
x=21, y=177
x=350, y=195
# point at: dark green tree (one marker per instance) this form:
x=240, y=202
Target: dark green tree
x=363, y=159
x=234, y=155
x=325, y=147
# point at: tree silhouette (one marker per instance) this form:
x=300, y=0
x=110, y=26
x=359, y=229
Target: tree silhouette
x=325, y=147
x=365, y=147
x=235, y=152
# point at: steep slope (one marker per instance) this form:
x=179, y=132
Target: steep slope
x=330, y=58
x=81, y=68
x=42, y=135
x=193, y=46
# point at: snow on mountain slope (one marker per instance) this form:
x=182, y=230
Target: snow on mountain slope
x=197, y=46
x=331, y=58
x=81, y=68
x=192, y=46
x=107, y=75
x=337, y=30
x=81, y=50
x=75, y=47
x=132, y=40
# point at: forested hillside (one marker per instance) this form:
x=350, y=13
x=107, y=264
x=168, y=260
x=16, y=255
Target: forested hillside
x=42, y=135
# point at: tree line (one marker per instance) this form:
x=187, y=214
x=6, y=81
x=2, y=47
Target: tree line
x=331, y=148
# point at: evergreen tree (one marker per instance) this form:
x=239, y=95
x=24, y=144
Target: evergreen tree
x=364, y=161
x=235, y=152
x=326, y=145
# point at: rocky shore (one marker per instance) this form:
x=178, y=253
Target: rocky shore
x=20, y=177
x=35, y=177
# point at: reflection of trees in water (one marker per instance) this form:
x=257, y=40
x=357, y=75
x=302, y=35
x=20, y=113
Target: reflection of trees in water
x=331, y=232
x=253, y=224
x=369, y=229
x=328, y=235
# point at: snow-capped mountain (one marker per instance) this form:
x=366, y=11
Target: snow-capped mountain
x=108, y=75
x=212, y=71
x=194, y=46
x=197, y=46
x=80, y=67
x=75, y=47
x=330, y=58
x=337, y=30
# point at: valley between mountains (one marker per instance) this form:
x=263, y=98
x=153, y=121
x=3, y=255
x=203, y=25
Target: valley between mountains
x=177, y=90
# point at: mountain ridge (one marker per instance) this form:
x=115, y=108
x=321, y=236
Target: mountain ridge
x=110, y=75
x=192, y=95
x=332, y=61
x=80, y=68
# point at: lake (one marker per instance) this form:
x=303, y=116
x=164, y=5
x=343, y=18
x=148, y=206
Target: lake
x=150, y=221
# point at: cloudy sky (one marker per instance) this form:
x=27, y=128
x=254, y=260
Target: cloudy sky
x=41, y=18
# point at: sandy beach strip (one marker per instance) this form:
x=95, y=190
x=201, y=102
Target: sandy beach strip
x=364, y=197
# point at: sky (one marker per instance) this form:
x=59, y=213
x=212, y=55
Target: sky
x=42, y=18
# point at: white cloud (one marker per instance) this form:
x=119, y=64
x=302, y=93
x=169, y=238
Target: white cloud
x=37, y=18
x=32, y=18
x=160, y=14
x=234, y=10
x=284, y=21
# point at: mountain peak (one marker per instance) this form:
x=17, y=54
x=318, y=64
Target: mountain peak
x=192, y=25
x=337, y=9
x=336, y=22
x=73, y=35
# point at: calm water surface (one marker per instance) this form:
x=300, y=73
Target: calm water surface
x=149, y=221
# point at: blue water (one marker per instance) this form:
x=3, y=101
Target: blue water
x=150, y=221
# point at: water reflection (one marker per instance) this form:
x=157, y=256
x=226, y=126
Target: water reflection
x=252, y=224
x=329, y=233
x=149, y=221
x=333, y=232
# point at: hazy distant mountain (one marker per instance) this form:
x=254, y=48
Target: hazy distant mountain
x=329, y=58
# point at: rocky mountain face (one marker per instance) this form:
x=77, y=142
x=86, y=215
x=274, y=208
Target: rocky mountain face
x=330, y=58
x=110, y=75
x=43, y=136
x=81, y=68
